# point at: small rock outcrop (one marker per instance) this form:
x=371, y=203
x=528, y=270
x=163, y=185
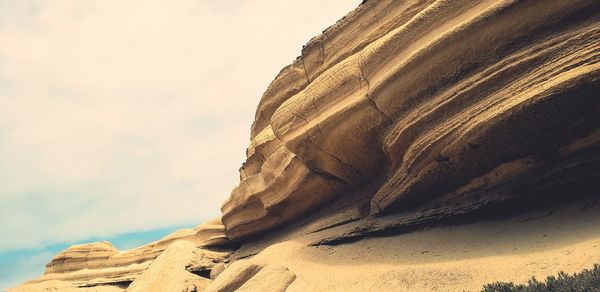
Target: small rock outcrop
x=100, y=264
x=270, y=278
x=234, y=276
x=245, y=275
x=169, y=271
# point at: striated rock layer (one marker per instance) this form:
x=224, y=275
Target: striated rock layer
x=424, y=100
x=101, y=264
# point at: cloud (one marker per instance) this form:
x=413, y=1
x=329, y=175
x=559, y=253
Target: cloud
x=130, y=115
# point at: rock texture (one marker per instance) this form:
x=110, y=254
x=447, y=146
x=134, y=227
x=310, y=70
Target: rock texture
x=246, y=275
x=170, y=270
x=423, y=100
x=100, y=264
x=403, y=115
x=271, y=278
x=234, y=276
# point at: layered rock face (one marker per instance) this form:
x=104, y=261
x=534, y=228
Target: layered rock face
x=424, y=100
x=101, y=264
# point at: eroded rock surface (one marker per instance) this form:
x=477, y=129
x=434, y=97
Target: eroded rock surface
x=247, y=275
x=234, y=276
x=101, y=265
x=423, y=100
x=171, y=269
x=270, y=278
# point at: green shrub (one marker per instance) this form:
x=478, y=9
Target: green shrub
x=587, y=280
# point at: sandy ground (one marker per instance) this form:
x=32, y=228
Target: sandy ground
x=56, y=285
x=454, y=258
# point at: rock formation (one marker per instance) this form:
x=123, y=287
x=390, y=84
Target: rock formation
x=100, y=264
x=171, y=270
x=421, y=100
x=402, y=115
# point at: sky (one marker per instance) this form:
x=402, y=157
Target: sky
x=126, y=120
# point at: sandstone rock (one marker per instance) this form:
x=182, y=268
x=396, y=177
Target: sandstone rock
x=82, y=256
x=169, y=272
x=271, y=279
x=208, y=234
x=234, y=276
x=278, y=193
x=101, y=264
x=217, y=270
x=422, y=101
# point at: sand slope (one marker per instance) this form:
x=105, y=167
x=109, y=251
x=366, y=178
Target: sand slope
x=452, y=258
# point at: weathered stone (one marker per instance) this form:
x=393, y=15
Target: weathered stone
x=101, y=264
x=234, y=276
x=217, y=270
x=168, y=271
x=270, y=278
x=429, y=100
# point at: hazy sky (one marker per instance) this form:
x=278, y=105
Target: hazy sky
x=119, y=116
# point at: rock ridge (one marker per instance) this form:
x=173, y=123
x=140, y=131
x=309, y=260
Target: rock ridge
x=421, y=100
